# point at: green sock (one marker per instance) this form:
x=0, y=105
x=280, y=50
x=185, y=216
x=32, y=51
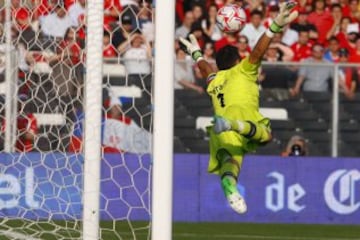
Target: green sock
x=229, y=171
x=228, y=184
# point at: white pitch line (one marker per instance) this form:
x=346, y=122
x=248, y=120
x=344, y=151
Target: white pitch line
x=238, y=236
x=17, y=236
x=267, y=237
x=243, y=236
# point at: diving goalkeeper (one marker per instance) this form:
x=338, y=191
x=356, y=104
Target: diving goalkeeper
x=238, y=126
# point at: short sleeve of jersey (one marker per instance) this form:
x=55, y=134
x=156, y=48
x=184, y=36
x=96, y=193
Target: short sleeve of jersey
x=247, y=68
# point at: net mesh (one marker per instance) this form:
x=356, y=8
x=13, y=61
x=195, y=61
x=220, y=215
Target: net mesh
x=42, y=120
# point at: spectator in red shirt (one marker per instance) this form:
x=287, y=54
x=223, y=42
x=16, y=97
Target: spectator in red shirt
x=227, y=39
x=337, y=16
x=342, y=34
x=109, y=51
x=26, y=35
x=345, y=7
x=41, y=8
x=321, y=18
x=21, y=16
x=68, y=3
x=354, y=10
x=69, y=49
x=68, y=67
x=26, y=128
x=355, y=55
x=81, y=29
x=302, y=49
x=273, y=12
x=112, y=10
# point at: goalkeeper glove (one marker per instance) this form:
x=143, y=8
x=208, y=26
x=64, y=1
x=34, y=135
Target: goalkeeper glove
x=192, y=47
x=285, y=16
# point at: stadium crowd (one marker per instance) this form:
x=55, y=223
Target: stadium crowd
x=49, y=39
x=325, y=31
x=49, y=36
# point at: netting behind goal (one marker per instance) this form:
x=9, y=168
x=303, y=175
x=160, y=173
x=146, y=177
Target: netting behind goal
x=42, y=82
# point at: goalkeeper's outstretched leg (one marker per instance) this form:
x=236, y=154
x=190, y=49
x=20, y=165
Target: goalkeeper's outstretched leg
x=249, y=129
x=229, y=172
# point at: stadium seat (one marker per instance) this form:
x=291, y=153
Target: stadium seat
x=315, y=150
x=200, y=102
x=318, y=136
x=197, y=146
x=205, y=111
x=274, y=113
x=348, y=126
x=347, y=150
x=184, y=94
x=307, y=115
x=283, y=125
x=351, y=137
x=181, y=112
x=189, y=133
x=316, y=126
x=284, y=135
x=354, y=109
x=296, y=105
x=317, y=96
x=188, y=122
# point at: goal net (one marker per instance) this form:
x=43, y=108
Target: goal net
x=44, y=110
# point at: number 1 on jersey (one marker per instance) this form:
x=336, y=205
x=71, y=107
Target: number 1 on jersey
x=220, y=97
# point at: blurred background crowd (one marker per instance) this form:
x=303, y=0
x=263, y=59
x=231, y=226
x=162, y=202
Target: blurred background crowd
x=325, y=31
x=49, y=39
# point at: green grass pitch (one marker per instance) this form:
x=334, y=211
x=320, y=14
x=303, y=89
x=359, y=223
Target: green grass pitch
x=17, y=229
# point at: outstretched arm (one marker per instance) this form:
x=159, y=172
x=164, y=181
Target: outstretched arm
x=193, y=49
x=205, y=68
x=285, y=16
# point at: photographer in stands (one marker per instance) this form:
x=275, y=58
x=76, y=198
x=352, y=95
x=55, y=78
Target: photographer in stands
x=296, y=147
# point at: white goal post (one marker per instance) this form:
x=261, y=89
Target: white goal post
x=86, y=145
x=163, y=121
x=93, y=105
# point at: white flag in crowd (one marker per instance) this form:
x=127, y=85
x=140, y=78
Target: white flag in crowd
x=126, y=137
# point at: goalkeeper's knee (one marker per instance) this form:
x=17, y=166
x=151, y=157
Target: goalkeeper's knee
x=258, y=132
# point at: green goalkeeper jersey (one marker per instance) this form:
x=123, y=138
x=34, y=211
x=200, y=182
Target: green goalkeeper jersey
x=233, y=87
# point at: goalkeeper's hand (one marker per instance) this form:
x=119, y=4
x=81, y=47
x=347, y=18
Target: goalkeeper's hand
x=192, y=47
x=285, y=16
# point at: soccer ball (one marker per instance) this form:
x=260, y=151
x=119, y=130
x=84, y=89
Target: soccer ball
x=231, y=18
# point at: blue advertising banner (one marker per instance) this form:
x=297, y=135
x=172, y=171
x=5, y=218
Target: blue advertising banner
x=277, y=189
